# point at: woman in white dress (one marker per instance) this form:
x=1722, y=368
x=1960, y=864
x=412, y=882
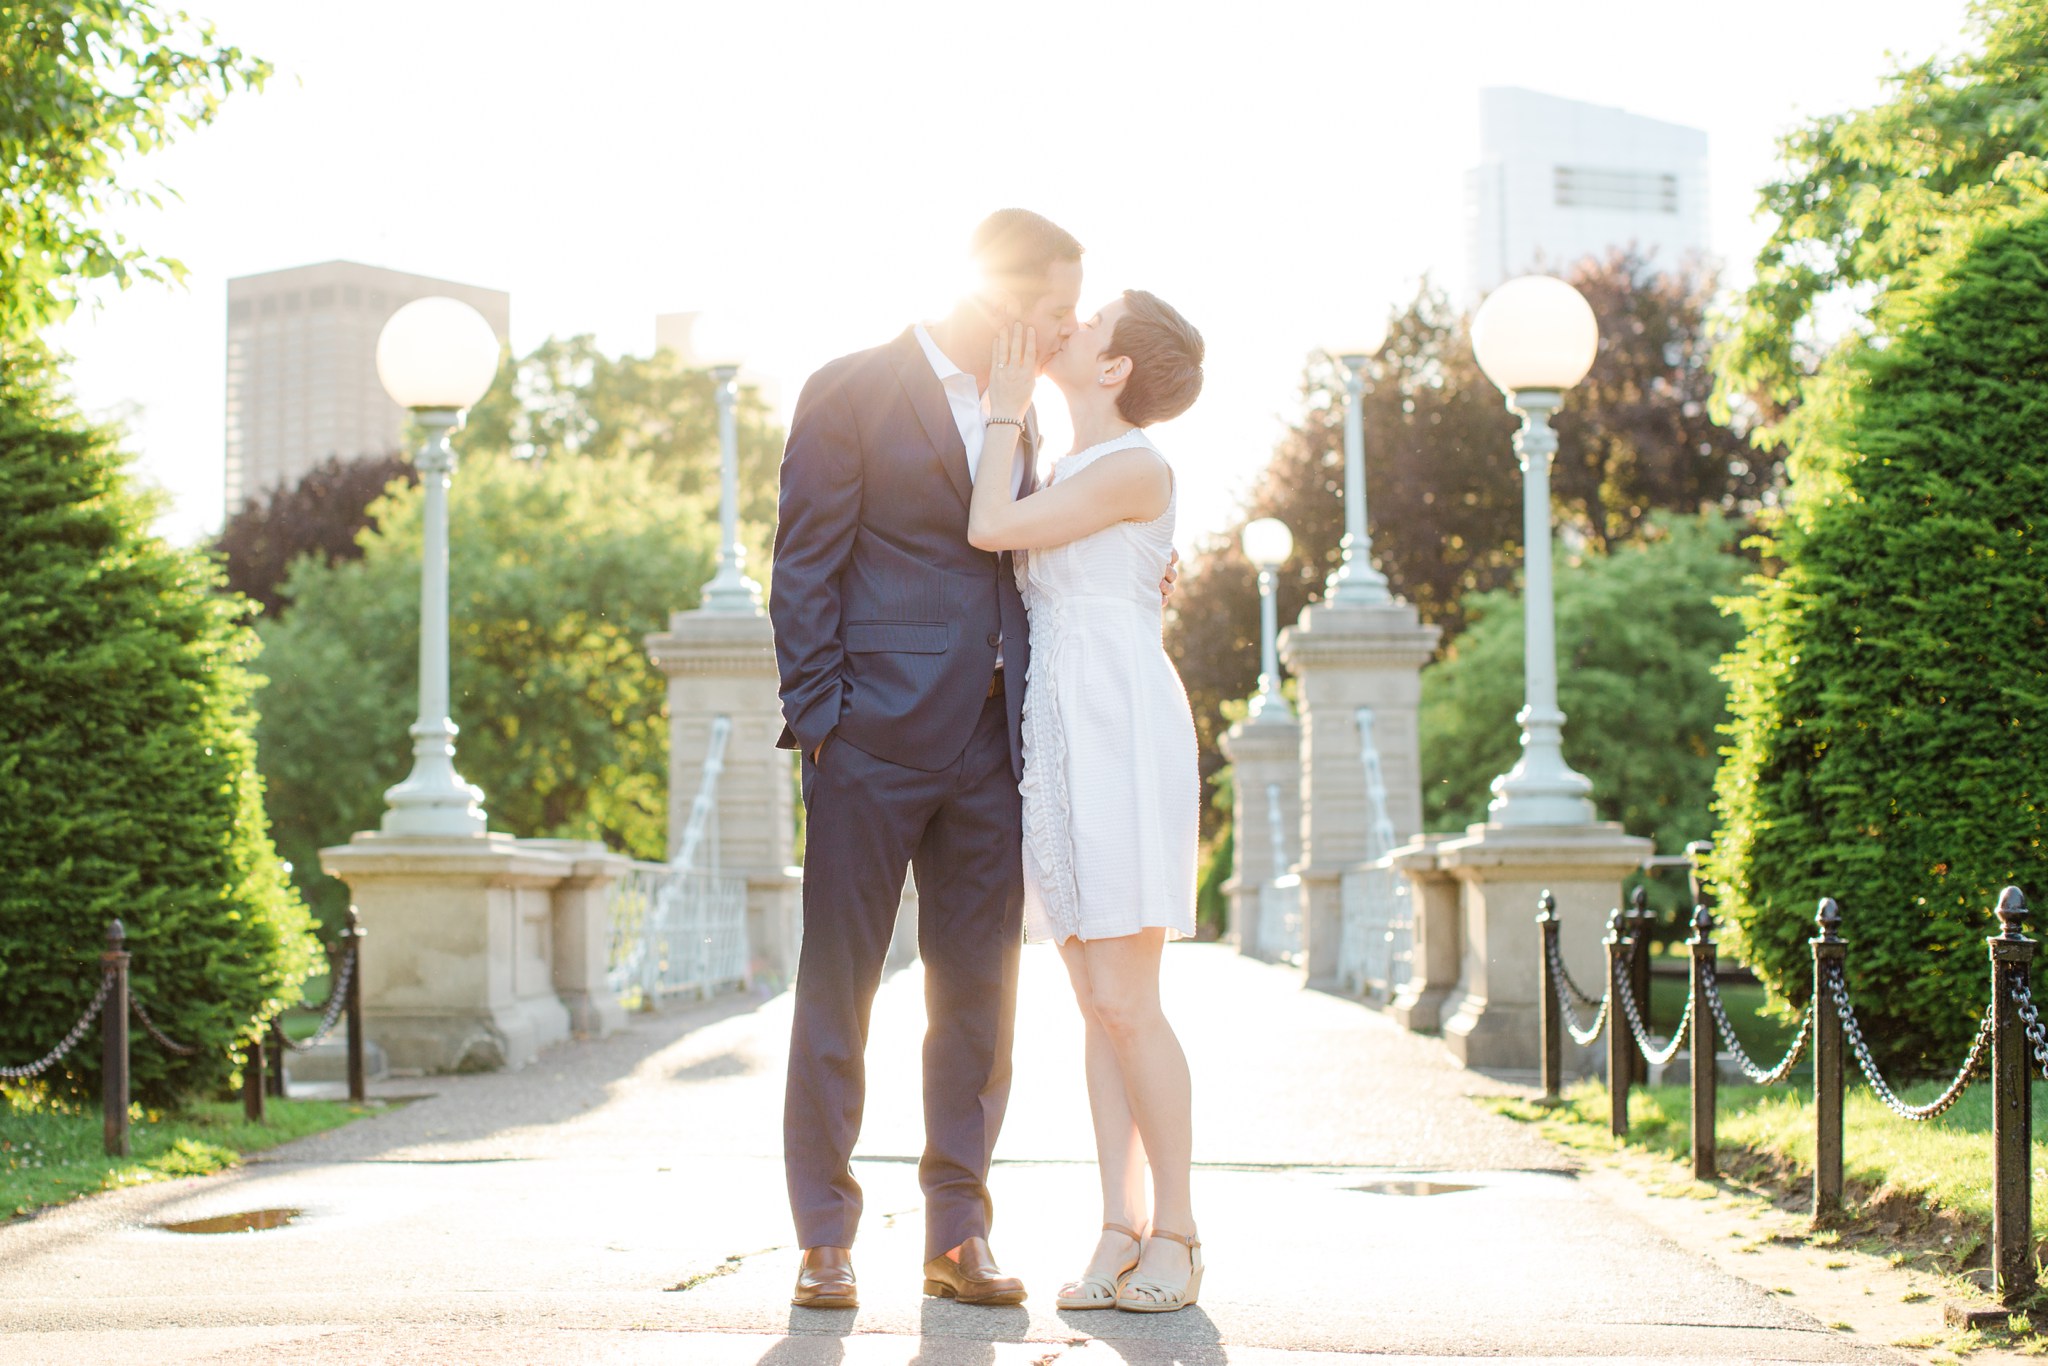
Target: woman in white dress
x=1111, y=789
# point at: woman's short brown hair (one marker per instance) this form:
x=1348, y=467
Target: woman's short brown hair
x=1166, y=359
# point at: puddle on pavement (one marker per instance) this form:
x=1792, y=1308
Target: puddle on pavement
x=248, y=1221
x=1411, y=1188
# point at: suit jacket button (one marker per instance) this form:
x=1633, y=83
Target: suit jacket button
x=994, y=639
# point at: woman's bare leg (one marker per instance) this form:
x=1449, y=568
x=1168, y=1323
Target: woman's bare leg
x=1119, y=1154
x=1123, y=985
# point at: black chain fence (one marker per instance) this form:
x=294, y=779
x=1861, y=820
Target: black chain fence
x=114, y=1003
x=2011, y=1043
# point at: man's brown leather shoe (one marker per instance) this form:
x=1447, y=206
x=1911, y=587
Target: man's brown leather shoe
x=974, y=1279
x=825, y=1280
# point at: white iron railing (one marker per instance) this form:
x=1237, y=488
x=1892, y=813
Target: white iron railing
x=1279, y=928
x=1375, y=944
x=676, y=928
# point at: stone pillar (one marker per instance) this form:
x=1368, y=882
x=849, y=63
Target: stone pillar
x=1344, y=658
x=723, y=664
x=1437, y=953
x=1264, y=752
x=583, y=934
x=459, y=969
x=1501, y=873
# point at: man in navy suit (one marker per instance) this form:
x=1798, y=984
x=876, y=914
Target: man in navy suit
x=902, y=652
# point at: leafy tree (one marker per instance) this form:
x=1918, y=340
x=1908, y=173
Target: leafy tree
x=1890, y=700
x=128, y=784
x=558, y=570
x=127, y=778
x=90, y=84
x=321, y=515
x=1873, y=197
x=568, y=399
x=1639, y=636
x=1445, y=494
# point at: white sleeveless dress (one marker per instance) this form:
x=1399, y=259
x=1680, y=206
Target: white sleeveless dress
x=1111, y=789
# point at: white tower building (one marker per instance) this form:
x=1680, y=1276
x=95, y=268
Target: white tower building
x=1559, y=180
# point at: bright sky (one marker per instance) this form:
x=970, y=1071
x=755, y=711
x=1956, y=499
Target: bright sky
x=1282, y=172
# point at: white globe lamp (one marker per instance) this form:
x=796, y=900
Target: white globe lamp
x=437, y=357
x=437, y=353
x=1536, y=337
x=1535, y=332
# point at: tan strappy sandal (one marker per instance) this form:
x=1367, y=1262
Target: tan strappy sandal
x=1137, y=1295
x=1099, y=1292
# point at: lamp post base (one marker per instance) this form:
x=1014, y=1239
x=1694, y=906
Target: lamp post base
x=1355, y=583
x=433, y=799
x=731, y=591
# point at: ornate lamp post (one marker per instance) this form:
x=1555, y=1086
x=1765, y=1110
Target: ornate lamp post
x=1355, y=583
x=1535, y=337
x=713, y=338
x=437, y=357
x=1267, y=544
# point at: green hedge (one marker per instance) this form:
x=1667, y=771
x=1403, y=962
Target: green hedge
x=128, y=784
x=1890, y=740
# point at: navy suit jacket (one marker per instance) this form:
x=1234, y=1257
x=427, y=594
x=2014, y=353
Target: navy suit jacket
x=886, y=619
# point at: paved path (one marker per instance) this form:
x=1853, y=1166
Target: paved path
x=622, y=1201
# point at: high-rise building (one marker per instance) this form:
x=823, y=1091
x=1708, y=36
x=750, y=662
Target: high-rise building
x=1558, y=181
x=302, y=367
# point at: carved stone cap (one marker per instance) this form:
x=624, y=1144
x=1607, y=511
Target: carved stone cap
x=493, y=859
x=1266, y=738
x=714, y=643
x=1387, y=635
x=1532, y=850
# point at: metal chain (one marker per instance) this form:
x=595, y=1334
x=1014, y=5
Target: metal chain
x=337, y=997
x=1655, y=1056
x=1742, y=1059
x=2037, y=1036
x=1557, y=964
x=1839, y=989
x=183, y=1050
x=1582, y=1037
x=69, y=1041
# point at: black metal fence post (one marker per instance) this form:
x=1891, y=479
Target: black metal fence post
x=1705, y=1034
x=1620, y=1050
x=114, y=1044
x=252, y=1080
x=2012, y=1114
x=352, y=955
x=1549, y=1010
x=1640, y=920
x=1829, y=952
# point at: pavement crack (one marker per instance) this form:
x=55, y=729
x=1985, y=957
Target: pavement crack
x=732, y=1263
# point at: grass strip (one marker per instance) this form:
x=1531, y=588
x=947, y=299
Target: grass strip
x=1916, y=1185
x=51, y=1152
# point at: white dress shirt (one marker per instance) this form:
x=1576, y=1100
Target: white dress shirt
x=970, y=413
x=969, y=405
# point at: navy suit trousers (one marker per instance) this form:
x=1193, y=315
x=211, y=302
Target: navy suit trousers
x=960, y=831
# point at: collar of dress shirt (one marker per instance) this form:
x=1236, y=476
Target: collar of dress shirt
x=950, y=375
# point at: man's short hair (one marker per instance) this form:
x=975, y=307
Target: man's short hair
x=1015, y=250
x=1166, y=359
